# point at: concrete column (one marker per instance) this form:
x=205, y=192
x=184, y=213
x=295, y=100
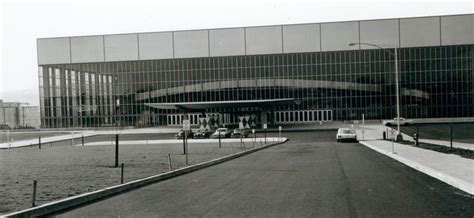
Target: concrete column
x=272, y=117
x=263, y=116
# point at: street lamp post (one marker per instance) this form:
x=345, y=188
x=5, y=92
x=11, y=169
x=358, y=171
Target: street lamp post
x=117, y=135
x=395, y=54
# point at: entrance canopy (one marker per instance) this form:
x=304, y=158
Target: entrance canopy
x=223, y=104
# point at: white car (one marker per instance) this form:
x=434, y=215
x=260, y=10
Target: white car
x=393, y=122
x=223, y=132
x=345, y=134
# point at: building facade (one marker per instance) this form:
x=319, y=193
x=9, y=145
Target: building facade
x=19, y=115
x=109, y=80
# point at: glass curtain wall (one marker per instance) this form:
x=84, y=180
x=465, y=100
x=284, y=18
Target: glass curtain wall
x=434, y=82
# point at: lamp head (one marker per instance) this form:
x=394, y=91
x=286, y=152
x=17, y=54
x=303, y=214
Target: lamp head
x=351, y=43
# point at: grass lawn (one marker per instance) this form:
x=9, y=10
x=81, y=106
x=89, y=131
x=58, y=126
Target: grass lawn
x=462, y=132
x=63, y=170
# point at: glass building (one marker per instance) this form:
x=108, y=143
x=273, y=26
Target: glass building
x=109, y=80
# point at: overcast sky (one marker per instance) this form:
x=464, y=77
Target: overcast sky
x=22, y=21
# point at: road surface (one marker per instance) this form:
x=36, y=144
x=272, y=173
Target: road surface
x=309, y=176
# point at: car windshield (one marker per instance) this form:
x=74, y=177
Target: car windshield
x=348, y=131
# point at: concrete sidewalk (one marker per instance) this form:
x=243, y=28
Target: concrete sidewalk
x=451, y=169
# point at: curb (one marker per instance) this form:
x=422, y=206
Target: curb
x=450, y=180
x=74, y=201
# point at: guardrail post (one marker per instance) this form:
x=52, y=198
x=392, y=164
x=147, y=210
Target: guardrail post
x=116, y=150
x=184, y=142
x=33, y=199
x=8, y=136
x=451, y=136
x=279, y=133
x=219, y=139
x=254, y=138
x=265, y=131
x=241, y=140
x=169, y=162
x=393, y=146
x=121, y=175
x=186, y=147
x=417, y=137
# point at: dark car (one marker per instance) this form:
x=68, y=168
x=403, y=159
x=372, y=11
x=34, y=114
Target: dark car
x=237, y=133
x=180, y=134
x=202, y=134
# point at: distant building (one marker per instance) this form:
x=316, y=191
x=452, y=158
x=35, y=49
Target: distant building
x=279, y=74
x=19, y=115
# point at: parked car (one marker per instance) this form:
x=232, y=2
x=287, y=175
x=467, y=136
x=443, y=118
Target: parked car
x=345, y=134
x=180, y=134
x=223, y=132
x=403, y=121
x=5, y=126
x=240, y=132
x=202, y=134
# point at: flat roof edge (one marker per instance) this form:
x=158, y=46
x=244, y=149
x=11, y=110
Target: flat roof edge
x=257, y=26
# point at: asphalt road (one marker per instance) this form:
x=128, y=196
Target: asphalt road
x=310, y=176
